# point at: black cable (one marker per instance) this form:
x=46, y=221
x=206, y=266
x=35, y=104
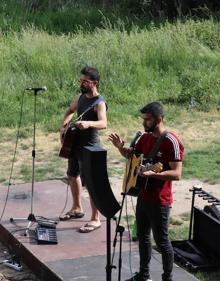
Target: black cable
x=65, y=204
x=129, y=235
x=66, y=181
x=132, y=203
x=13, y=160
x=21, y=229
x=118, y=222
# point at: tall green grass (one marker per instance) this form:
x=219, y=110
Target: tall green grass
x=57, y=16
x=209, y=163
x=175, y=64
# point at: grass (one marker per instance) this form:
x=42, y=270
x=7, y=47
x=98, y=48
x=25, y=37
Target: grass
x=176, y=64
x=208, y=276
x=208, y=158
x=201, y=151
x=47, y=163
x=54, y=17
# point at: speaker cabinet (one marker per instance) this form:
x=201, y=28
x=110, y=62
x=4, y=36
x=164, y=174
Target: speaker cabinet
x=97, y=182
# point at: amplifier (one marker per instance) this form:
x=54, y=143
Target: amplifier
x=46, y=235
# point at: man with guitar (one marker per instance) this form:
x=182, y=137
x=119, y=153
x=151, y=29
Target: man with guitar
x=155, y=198
x=91, y=108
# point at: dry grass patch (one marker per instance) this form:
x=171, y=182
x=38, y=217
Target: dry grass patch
x=46, y=158
x=197, y=130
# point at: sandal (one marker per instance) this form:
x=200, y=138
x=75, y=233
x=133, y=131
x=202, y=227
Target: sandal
x=72, y=215
x=88, y=227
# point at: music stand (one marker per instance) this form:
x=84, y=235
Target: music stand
x=31, y=217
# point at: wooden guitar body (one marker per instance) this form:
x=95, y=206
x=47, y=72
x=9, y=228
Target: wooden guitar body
x=69, y=141
x=131, y=173
x=132, y=182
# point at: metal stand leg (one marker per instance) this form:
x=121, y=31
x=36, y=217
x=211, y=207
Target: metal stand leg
x=121, y=231
x=108, y=265
x=31, y=217
x=195, y=190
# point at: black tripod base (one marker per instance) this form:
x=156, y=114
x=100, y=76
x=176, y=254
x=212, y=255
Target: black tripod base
x=31, y=218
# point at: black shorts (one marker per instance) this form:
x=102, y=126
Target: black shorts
x=75, y=164
x=75, y=168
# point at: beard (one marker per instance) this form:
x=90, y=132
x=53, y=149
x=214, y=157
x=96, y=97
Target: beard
x=150, y=129
x=83, y=90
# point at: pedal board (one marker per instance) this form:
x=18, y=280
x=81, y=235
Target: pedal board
x=46, y=235
x=46, y=224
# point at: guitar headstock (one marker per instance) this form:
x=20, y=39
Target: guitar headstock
x=157, y=167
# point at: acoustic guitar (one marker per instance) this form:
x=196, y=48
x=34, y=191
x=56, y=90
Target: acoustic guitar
x=131, y=176
x=70, y=135
x=69, y=138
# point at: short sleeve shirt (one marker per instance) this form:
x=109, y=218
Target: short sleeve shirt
x=171, y=150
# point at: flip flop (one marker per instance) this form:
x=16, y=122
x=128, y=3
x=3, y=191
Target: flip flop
x=88, y=228
x=72, y=215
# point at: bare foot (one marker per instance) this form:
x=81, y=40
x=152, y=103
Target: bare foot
x=90, y=226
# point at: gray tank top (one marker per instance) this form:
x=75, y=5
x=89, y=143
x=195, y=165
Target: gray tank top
x=88, y=136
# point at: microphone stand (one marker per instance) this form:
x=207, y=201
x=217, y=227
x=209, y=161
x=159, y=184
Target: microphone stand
x=119, y=228
x=31, y=217
x=109, y=265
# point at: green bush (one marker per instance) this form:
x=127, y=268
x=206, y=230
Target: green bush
x=168, y=63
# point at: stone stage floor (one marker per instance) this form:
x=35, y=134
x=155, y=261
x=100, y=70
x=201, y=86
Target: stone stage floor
x=77, y=256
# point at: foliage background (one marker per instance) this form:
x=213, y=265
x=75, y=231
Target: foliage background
x=145, y=50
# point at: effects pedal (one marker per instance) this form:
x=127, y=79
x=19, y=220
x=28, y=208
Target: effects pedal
x=46, y=235
x=46, y=224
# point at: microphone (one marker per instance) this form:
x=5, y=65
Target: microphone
x=44, y=88
x=136, y=137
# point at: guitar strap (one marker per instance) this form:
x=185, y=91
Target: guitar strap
x=141, y=182
x=96, y=102
x=150, y=156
